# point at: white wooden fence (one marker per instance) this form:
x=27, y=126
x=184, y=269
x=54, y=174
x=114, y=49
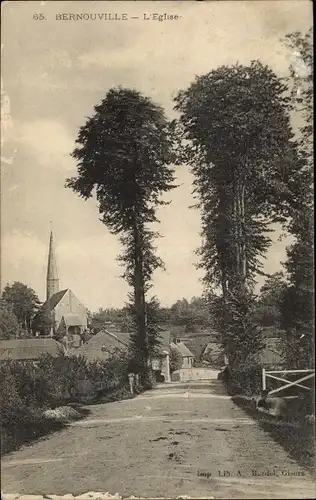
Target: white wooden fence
x=288, y=383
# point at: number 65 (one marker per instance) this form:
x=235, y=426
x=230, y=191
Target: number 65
x=38, y=17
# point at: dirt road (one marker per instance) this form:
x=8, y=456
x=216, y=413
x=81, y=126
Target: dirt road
x=179, y=439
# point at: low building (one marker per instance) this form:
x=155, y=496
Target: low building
x=198, y=340
x=29, y=349
x=213, y=354
x=187, y=356
x=101, y=346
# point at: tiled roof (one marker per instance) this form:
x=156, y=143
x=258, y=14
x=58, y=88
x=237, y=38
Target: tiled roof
x=182, y=348
x=52, y=302
x=100, y=346
x=212, y=347
x=29, y=349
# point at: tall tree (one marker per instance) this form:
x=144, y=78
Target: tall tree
x=297, y=307
x=23, y=301
x=43, y=322
x=124, y=155
x=239, y=144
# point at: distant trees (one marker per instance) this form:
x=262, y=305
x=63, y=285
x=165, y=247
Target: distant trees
x=192, y=315
x=267, y=313
x=23, y=302
x=238, y=141
x=124, y=152
x=98, y=319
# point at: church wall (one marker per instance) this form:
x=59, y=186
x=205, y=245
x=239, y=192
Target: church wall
x=69, y=304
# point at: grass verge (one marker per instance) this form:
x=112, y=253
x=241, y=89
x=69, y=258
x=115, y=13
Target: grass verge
x=36, y=426
x=298, y=438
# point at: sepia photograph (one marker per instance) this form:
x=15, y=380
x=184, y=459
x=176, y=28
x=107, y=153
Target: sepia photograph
x=157, y=250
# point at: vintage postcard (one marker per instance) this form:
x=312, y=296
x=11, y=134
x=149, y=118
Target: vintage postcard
x=156, y=307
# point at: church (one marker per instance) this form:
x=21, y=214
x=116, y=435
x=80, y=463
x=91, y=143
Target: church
x=68, y=315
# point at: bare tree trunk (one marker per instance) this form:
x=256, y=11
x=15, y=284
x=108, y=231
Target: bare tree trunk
x=242, y=242
x=140, y=303
x=239, y=220
x=243, y=226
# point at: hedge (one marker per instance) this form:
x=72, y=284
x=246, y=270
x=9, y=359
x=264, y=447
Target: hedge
x=26, y=391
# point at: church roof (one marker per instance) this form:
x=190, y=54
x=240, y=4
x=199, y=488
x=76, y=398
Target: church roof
x=29, y=349
x=52, y=302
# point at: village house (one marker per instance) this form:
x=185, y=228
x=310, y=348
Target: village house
x=213, y=354
x=102, y=345
x=187, y=356
x=29, y=349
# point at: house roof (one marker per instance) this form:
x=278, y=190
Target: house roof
x=182, y=348
x=52, y=302
x=212, y=347
x=196, y=342
x=29, y=349
x=101, y=345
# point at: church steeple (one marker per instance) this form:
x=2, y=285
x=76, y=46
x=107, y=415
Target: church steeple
x=52, y=281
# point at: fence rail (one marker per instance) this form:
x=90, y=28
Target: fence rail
x=288, y=383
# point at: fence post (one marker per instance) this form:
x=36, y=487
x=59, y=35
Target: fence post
x=263, y=379
x=130, y=379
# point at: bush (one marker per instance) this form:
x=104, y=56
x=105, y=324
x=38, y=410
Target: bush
x=27, y=391
x=175, y=360
x=244, y=379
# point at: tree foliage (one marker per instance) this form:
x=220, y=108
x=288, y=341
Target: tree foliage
x=9, y=325
x=175, y=360
x=192, y=315
x=43, y=322
x=267, y=312
x=297, y=310
x=103, y=317
x=154, y=331
x=124, y=155
x=23, y=302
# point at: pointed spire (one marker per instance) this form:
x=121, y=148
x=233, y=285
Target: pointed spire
x=52, y=282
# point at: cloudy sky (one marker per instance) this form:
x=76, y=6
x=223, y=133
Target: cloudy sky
x=55, y=71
